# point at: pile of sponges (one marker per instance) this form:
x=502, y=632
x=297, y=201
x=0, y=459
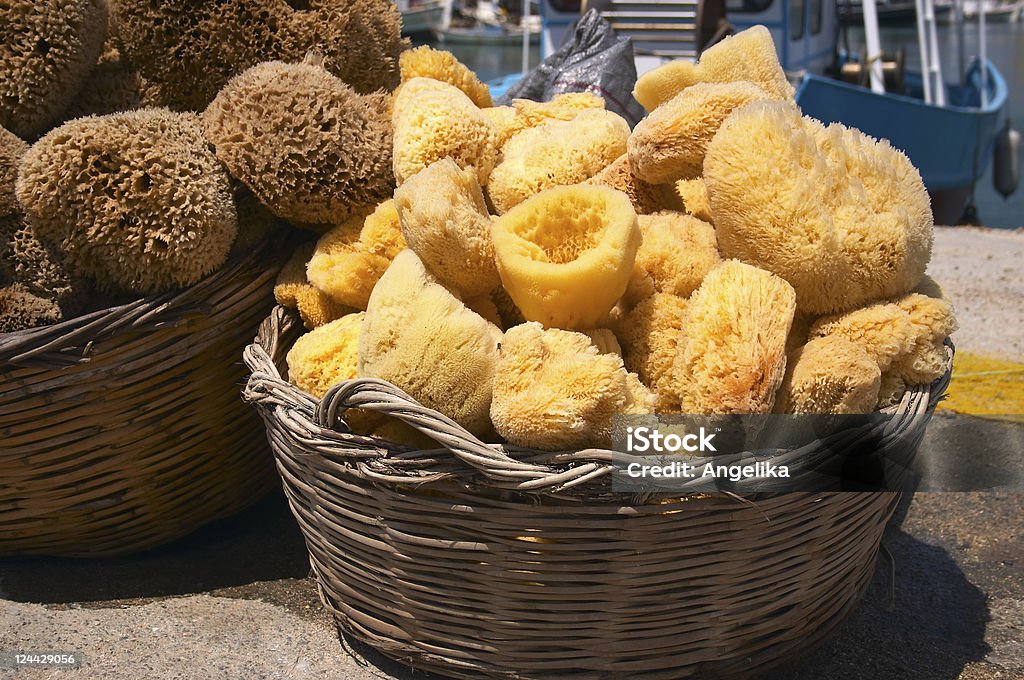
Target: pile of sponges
x=541, y=267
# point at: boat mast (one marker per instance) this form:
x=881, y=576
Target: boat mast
x=525, y=23
x=983, y=54
x=873, y=58
x=931, y=64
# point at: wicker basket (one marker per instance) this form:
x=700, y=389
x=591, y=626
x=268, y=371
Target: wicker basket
x=470, y=563
x=123, y=429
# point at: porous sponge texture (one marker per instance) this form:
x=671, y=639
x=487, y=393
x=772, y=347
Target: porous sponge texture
x=293, y=290
x=426, y=62
x=12, y=148
x=649, y=335
x=695, y=198
x=306, y=144
x=189, y=49
x=883, y=331
x=829, y=374
x=445, y=221
x=350, y=258
x=555, y=390
x=676, y=254
x=525, y=113
x=845, y=219
x=932, y=320
x=40, y=269
x=646, y=197
x=421, y=338
x=670, y=143
x=136, y=201
x=749, y=55
x=326, y=355
x=46, y=51
x=731, y=356
x=556, y=153
x=565, y=255
x=21, y=310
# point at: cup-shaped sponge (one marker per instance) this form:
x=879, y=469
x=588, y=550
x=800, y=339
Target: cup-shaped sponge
x=424, y=340
x=445, y=222
x=566, y=254
x=556, y=153
x=829, y=374
x=306, y=144
x=556, y=390
x=732, y=352
x=426, y=62
x=136, y=200
x=676, y=254
x=326, y=355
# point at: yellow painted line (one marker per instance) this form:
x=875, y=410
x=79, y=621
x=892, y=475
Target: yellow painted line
x=985, y=386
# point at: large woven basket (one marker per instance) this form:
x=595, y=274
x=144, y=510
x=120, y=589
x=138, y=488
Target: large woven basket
x=123, y=429
x=471, y=562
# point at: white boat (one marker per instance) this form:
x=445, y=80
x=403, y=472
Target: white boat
x=995, y=10
x=487, y=34
x=421, y=17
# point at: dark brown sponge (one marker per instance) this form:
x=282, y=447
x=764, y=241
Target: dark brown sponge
x=12, y=148
x=309, y=147
x=189, y=49
x=40, y=269
x=136, y=201
x=20, y=309
x=48, y=49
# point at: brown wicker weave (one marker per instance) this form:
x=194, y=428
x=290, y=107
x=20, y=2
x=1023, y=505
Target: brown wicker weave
x=123, y=429
x=472, y=563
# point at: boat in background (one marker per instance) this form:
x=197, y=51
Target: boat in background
x=420, y=17
x=995, y=10
x=486, y=34
x=487, y=24
x=890, y=12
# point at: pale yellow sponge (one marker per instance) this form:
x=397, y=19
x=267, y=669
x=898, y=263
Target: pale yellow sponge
x=645, y=197
x=604, y=340
x=883, y=331
x=445, y=221
x=427, y=62
x=930, y=287
x=555, y=390
x=382, y=232
x=933, y=321
x=841, y=217
x=293, y=290
x=407, y=90
x=670, y=144
x=829, y=374
x=748, y=55
x=441, y=123
x=421, y=338
x=695, y=198
x=676, y=254
x=506, y=122
x=649, y=336
x=556, y=153
x=525, y=113
x=731, y=356
x=890, y=390
x=566, y=254
x=326, y=355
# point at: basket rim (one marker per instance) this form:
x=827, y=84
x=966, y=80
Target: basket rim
x=319, y=423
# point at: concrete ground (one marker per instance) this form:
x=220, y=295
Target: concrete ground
x=234, y=600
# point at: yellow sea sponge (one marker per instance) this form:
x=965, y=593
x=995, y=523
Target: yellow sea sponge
x=930, y=287
x=555, y=390
x=649, y=335
x=382, y=232
x=427, y=62
x=932, y=320
x=676, y=254
x=506, y=123
x=565, y=106
x=731, y=356
x=670, y=144
x=310, y=147
x=326, y=355
x=136, y=201
x=829, y=374
x=749, y=55
x=556, y=153
x=509, y=313
x=883, y=331
x=293, y=290
x=439, y=123
x=485, y=307
x=694, y=195
x=843, y=218
x=604, y=340
x=646, y=197
x=421, y=338
x=890, y=390
x=445, y=221
x=566, y=254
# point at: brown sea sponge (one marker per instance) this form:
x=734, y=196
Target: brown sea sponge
x=670, y=144
x=189, y=49
x=556, y=153
x=555, y=389
x=136, y=201
x=442, y=123
x=308, y=146
x=48, y=50
x=646, y=197
x=883, y=331
x=676, y=254
x=749, y=55
x=426, y=62
x=829, y=374
x=40, y=269
x=421, y=338
x=21, y=310
x=650, y=338
x=731, y=356
x=694, y=195
x=112, y=85
x=293, y=290
x=843, y=218
x=326, y=355
x=12, y=148
x=565, y=255
x=445, y=222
